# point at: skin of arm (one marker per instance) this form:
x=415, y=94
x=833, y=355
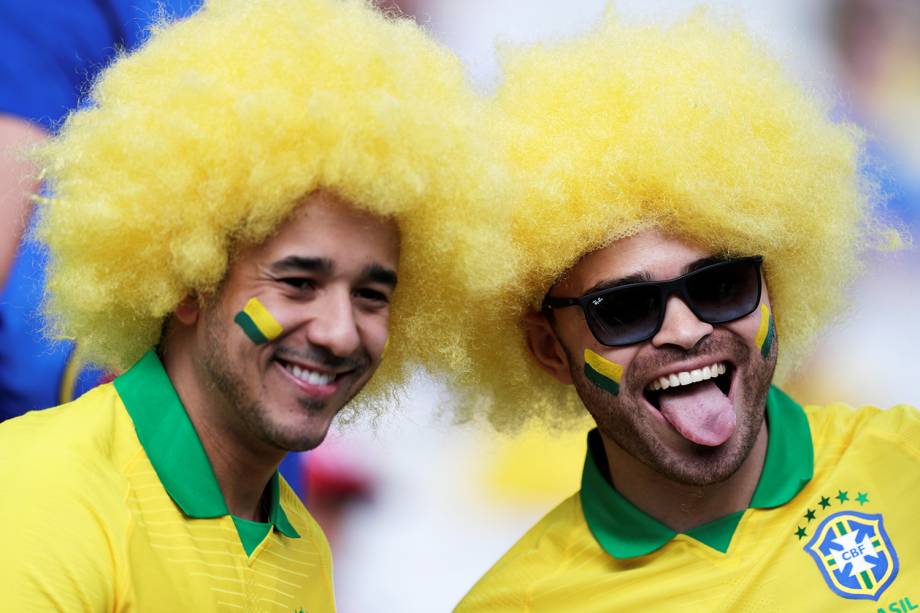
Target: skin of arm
x=17, y=184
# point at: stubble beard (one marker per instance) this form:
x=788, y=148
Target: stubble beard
x=624, y=420
x=254, y=415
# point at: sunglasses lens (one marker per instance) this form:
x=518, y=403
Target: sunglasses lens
x=625, y=316
x=726, y=292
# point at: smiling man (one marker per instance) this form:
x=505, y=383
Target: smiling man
x=687, y=221
x=246, y=215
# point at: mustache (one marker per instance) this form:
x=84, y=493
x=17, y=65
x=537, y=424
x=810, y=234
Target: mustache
x=662, y=357
x=323, y=357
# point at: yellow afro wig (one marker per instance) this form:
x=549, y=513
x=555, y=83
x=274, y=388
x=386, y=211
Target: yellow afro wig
x=206, y=139
x=690, y=128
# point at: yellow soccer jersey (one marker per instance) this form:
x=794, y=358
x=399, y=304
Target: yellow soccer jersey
x=109, y=503
x=832, y=526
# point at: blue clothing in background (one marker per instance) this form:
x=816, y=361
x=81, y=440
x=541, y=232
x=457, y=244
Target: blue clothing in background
x=50, y=53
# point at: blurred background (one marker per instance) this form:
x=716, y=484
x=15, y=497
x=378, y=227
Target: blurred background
x=415, y=506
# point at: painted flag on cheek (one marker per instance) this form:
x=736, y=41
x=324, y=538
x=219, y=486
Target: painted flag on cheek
x=766, y=332
x=258, y=324
x=602, y=372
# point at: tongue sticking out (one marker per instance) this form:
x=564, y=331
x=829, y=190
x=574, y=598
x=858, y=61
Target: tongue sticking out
x=700, y=412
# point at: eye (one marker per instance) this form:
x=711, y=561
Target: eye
x=299, y=283
x=373, y=296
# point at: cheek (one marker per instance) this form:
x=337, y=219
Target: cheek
x=375, y=335
x=605, y=369
x=258, y=323
x=602, y=372
x=766, y=331
x=758, y=329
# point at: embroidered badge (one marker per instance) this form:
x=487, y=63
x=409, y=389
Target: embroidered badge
x=854, y=554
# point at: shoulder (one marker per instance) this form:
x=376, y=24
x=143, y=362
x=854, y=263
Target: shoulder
x=538, y=554
x=841, y=424
x=62, y=512
x=83, y=428
x=63, y=458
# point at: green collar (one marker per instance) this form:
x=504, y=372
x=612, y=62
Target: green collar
x=624, y=531
x=170, y=441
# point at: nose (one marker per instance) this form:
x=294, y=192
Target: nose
x=680, y=328
x=332, y=324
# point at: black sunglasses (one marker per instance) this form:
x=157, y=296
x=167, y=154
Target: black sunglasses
x=628, y=314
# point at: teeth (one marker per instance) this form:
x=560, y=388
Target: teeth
x=687, y=377
x=309, y=376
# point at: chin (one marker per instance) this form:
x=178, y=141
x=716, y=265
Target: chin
x=302, y=435
x=296, y=440
x=290, y=427
x=705, y=465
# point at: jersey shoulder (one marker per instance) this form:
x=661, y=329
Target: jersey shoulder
x=63, y=517
x=836, y=425
x=88, y=429
x=541, y=552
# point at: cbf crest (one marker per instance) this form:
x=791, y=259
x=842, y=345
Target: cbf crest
x=854, y=554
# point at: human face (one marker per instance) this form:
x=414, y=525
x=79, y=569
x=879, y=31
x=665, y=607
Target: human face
x=698, y=433
x=327, y=277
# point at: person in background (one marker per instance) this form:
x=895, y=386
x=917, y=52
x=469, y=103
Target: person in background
x=49, y=57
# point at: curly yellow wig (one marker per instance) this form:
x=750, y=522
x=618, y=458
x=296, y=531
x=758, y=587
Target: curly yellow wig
x=205, y=140
x=690, y=128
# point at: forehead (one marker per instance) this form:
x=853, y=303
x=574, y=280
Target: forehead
x=650, y=253
x=329, y=227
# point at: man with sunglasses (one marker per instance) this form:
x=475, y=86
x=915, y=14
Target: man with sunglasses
x=687, y=221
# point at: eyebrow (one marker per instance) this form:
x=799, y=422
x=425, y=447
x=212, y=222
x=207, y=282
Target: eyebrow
x=303, y=264
x=644, y=277
x=380, y=274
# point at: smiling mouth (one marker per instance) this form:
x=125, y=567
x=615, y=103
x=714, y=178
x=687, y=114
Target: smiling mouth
x=311, y=377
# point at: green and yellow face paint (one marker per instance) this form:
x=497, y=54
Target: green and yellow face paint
x=602, y=372
x=258, y=324
x=766, y=332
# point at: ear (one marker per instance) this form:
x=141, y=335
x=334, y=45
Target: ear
x=545, y=347
x=188, y=310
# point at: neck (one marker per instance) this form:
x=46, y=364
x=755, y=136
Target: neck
x=679, y=506
x=242, y=466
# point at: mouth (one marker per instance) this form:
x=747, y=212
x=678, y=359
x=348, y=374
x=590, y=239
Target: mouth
x=696, y=402
x=719, y=373
x=312, y=380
